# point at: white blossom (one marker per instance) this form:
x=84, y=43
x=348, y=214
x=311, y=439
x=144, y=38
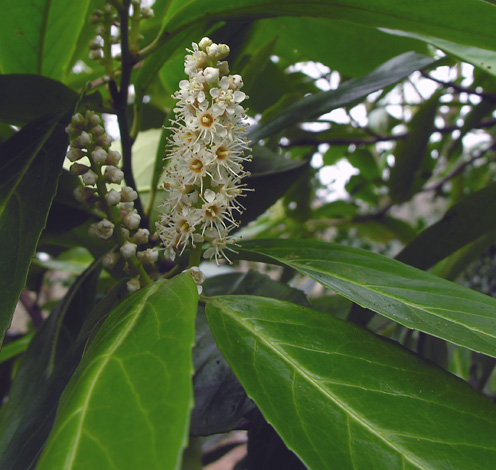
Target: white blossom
x=206, y=155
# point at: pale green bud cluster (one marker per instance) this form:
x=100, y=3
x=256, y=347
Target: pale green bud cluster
x=114, y=205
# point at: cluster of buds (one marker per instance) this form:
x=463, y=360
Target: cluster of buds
x=203, y=178
x=108, y=27
x=115, y=206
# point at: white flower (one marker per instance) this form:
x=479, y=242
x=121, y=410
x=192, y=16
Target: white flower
x=206, y=155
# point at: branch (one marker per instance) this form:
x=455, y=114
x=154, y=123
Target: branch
x=486, y=96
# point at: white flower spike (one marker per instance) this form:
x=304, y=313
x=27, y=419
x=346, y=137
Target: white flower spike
x=206, y=155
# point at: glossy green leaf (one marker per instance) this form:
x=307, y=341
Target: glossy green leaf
x=342, y=398
x=350, y=91
x=42, y=373
x=27, y=97
x=469, y=22
x=29, y=170
x=40, y=36
x=128, y=403
x=479, y=56
x=462, y=224
x=407, y=295
x=220, y=401
x=411, y=157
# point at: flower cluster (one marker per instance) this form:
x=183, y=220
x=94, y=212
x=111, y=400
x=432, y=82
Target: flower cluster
x=203, y=178
x=119, y=218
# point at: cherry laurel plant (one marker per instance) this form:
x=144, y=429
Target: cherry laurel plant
x=170, y=342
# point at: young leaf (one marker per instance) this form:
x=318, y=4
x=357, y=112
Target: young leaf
x=29, y=171
x=404, y=294
x=340, y=397
x=128, y=403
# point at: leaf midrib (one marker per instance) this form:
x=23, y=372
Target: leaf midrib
x=232, y=313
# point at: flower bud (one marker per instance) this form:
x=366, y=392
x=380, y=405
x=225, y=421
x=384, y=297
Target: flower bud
x=75, y=154
x=113, y=157
x=113, y=174
x=128, y=194
x=104, y=141
x=82, y=193
x=97, y=131
x=204, y=43
x=132, y=220
x=77, y=169
x=128, y=250
x=141, y=236
x=133, y=284
x=99, y=155
x=90, y=178
x=110, y=260
x=211, y=75
x=103, y=229
x=113, y=197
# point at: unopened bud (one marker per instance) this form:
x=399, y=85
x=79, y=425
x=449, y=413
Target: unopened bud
x=132, y=220
x=133, y=284
x=75, y=154
x=128, y=250
x=113, y=157
x=113, y=197
x=78, y=169
x=90, y=178
x=128, y=194
x=99, y=156
x=113, y=174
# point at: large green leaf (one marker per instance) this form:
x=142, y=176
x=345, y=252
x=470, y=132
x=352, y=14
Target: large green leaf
x=462, y=224
x=314, y=106
x=29, y=170
x=342, y=398
x=407, y=295
x=42, y=374
x=469, y=22
x=40, y=36
x=27, y=97
x=128, y=403
x=350, y=53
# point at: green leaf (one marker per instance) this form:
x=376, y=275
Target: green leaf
x=271, y=176
x=128, y=403
x=341, y=397
x=42, y=374
x=40, y=36
x=411, y=158
x=469, y=22
x=29, y=170
x=407, y=295
x=28, y=97
x=350, y=53
x=316, y=105
x=15, y=347
x=462, y=224
x=479, y=56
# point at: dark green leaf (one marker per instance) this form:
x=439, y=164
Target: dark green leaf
x=40, y=36
x=463, y=223
x=411, y=158
x=316, y=105
x=342, y=398
x=407, y=295
x=29, y=170
x=15, y=348
x=220, y=401
x=469, y=22
x=128, y=403
x=271, y=176
x=42, y=374
x=28, y=97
